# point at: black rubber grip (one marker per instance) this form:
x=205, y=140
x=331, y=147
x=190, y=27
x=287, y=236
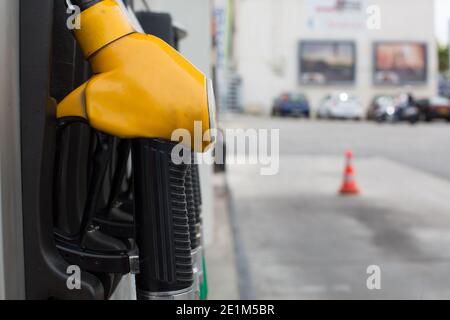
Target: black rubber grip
x=161, y=219
x=195, y=176
x=193, y=229
x=84, y=4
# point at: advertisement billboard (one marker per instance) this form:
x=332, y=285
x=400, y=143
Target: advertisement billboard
x=327, y=62
x=400, y=63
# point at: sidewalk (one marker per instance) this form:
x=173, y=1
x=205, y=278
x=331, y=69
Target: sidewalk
x=220, y=256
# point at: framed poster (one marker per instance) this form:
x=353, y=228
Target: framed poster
x=327, y=62
x=400, y=63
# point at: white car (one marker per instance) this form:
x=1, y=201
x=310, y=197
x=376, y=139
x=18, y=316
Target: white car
x=340, y=106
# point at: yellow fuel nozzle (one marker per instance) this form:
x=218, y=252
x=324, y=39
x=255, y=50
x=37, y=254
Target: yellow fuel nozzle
x=142, y=87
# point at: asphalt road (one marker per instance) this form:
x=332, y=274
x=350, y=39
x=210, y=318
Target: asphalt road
x=297, y=239
x=425, y=146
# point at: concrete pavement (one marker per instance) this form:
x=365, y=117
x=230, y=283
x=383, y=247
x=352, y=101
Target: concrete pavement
x=299, y=240
x=223, y=280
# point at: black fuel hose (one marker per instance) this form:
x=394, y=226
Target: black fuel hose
x=84, y=4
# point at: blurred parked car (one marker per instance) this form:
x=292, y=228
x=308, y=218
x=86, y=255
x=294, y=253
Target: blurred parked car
x=406, y=108
x=291, y=104
x=382, y=108
x=340, y=106
x=434, y=108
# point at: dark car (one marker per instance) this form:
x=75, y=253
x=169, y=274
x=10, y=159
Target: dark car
x=291, y=104
x=434, y=108
x=382, y=108
x=406, y=108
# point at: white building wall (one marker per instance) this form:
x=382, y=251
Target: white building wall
x=268, y=33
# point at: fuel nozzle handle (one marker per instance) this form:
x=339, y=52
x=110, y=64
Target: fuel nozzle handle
x=147, y=70
x=162, y=224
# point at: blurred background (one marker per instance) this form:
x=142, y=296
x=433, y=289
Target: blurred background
x=367, y=76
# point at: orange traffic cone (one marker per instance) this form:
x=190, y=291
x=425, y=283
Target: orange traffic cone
x=349, y=186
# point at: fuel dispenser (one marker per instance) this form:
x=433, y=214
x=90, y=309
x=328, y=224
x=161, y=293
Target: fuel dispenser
x=107, y=215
